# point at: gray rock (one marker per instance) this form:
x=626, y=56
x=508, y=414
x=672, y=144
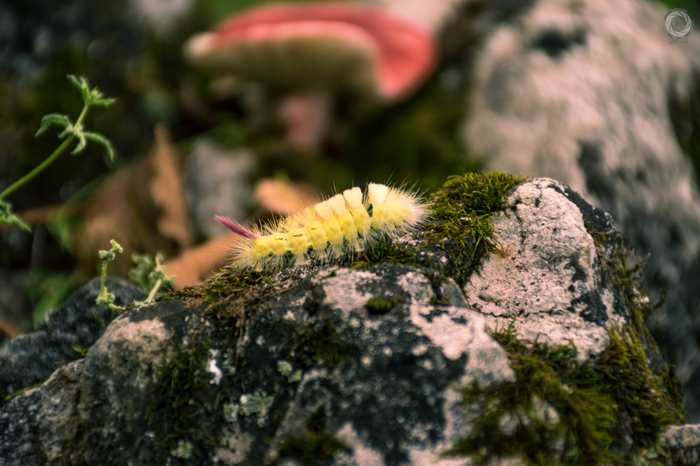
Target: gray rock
x=684, y=444
x=218, y=183
x=36, y=425
x=264, y=374
x=590, y=93
x=561, y=293
x=74, y=325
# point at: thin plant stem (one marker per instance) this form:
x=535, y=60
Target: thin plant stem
x=103, y=290
x=46, y=162
x=153, y=292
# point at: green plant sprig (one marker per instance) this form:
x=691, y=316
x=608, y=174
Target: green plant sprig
x=91, y=97
x=104, y=297
x=153, y=269
x=148, y=274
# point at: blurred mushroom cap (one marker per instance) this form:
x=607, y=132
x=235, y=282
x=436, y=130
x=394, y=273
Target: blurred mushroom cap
x=326, y=46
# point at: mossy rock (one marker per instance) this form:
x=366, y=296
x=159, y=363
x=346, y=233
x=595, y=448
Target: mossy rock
x=389, y=357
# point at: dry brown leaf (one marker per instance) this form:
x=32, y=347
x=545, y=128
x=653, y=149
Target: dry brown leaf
x=168, y=192
x=197, y=264
x=142, y=207
x=106, y=216
x=283, y=197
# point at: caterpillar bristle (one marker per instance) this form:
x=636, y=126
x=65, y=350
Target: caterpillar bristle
x=339, y=226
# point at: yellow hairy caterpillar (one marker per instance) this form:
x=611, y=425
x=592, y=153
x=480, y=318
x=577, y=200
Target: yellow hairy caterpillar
x=343, y=224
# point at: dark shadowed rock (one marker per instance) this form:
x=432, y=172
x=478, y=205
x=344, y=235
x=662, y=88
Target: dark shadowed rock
x=60, y=335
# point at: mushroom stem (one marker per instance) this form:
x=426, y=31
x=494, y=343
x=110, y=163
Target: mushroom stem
x=307, y=118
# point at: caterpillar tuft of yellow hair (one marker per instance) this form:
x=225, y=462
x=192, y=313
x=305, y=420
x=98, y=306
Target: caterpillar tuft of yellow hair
x=341, y=225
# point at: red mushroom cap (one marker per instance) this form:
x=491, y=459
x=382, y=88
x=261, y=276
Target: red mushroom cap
x=320, y=45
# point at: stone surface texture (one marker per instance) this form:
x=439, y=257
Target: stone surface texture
x=238, y=381
x=561, y=292
x=60, y=334
x=591, y=93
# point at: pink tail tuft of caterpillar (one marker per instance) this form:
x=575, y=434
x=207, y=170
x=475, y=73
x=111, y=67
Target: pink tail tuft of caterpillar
x=235, y=227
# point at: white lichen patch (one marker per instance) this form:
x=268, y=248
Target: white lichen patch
x=228, y=367
x=432, y=457
x=452, y=338
x=342, y=290
x=456, y=331
x=216, y=374
x=418, y=287
x=286, y=369
x=250, y=403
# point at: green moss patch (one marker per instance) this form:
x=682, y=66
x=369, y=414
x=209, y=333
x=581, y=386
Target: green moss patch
x=596, y=403
x=466, y=204
x=379, y=305
x=180, y=398
x=24, y=390
x=546, y=374
x=642, y=399
x=624, y=269
x=229, y=280
x=383, y=251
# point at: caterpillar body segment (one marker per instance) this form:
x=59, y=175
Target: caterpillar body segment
x=343, y=224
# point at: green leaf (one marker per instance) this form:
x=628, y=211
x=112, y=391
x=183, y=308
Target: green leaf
x=115, y=246
x=140, y=273
x=74, y=80
x=105, y=298
x=53, y=119
x=81, y=351
x=8, y=217
x=104, y=102
x=98, y=138
x=81, y=83
x=69, y=130
x=81, y=144
x=106, y=255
